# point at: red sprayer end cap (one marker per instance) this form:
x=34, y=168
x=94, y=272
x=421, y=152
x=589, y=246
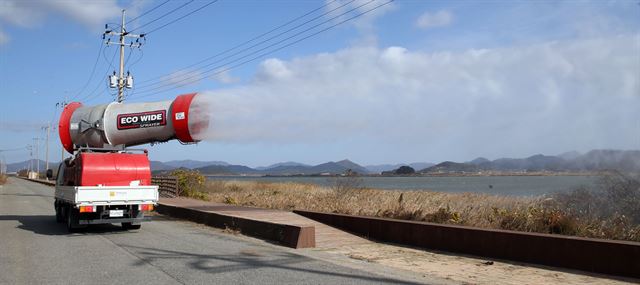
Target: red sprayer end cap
x=65, y=123
x=180, y=117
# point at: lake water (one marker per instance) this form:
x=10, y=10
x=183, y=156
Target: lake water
x=500, y=185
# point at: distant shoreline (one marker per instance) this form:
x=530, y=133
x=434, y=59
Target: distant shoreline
x=588, y=174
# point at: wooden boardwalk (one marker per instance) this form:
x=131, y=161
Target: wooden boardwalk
x=326, y=236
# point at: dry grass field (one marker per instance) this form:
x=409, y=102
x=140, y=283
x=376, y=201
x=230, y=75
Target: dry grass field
x=612, y=211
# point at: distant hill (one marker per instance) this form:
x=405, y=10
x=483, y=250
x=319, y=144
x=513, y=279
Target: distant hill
x=533, y=163
x=328, y=167
x=628, y=160
x=379, y=168
x=193, y=163
x=595, y=160
x=226, y=170
x=285, y=169
x=450, y=166
x=570, y=155
x=421, y=165
x=14, y=167
x=479, y=160
x=282, y=164
x=158, y=165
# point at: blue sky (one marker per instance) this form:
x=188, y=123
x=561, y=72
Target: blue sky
x=411, y=81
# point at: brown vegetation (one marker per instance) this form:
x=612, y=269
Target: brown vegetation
x=3, y=179
x=610, y=210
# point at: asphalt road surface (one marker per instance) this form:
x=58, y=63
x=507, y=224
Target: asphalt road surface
x=34, y=249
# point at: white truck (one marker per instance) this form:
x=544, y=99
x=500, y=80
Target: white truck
x=104, y=182
x=98, y=187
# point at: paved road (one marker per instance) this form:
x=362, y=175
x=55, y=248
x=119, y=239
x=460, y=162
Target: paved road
x=34, y=249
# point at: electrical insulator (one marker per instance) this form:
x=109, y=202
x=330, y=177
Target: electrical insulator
x=129, y=81
x=113, y=81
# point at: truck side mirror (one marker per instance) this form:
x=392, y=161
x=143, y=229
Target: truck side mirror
x=49, y=173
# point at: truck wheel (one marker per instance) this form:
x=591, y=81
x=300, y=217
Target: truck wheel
x=59, y=215
x=72, y=219
x=130, y=226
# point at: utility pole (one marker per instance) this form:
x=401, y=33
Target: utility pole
x=47, y=146
x=3, y=165
x=60, y=105
x=121, y=74
x=122, y=82
x=30, y=148
x=37, y=144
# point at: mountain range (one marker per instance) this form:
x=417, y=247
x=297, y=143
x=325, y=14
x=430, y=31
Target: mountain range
x=595, y=160
x=285, y=168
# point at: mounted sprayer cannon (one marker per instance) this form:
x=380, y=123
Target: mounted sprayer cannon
x=104, y=182
x=119, y=125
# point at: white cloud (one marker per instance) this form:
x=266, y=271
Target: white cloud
x=224, y=76
x=432, y=20
x=21, y=13
x=92, y=14
x=273, y=69
x=547, y=98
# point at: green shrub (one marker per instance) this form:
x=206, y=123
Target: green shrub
x=191, y=183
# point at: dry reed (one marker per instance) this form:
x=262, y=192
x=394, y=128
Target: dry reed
x=557, y=214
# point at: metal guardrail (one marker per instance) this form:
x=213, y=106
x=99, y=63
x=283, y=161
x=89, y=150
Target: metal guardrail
x=168, y=186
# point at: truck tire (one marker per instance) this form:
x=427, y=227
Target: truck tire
x=59, y=214
x=72, y=219
x=130, y=226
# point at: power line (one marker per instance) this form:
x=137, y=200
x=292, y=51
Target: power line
x=183, y=16
x=248, y=41
x=156, y=19
x=138, y=59
x=276, y=36
x=128, y=56
x=93, y=70
x=254, y=52
x=196, y=76
x=147, y=12
x=91, y=95
x=282, y=47
x=107, y=60
x=12, y=149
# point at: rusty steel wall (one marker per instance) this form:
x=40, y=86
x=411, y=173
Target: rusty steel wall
x=167, y=186
x=620, y=258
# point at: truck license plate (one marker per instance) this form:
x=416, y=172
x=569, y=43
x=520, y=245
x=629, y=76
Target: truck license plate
x=116, y=213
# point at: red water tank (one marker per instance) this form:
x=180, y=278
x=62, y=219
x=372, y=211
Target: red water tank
x=112, y=169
